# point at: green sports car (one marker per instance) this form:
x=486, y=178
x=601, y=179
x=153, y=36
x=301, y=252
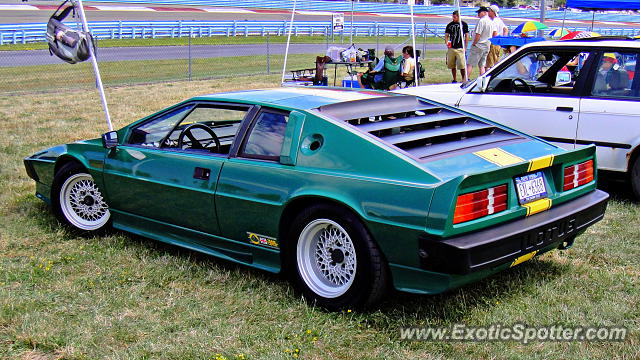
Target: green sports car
x=348, y=193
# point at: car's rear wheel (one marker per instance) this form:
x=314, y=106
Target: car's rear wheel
x=634, y=175
x=77, y=200
x=334, y=262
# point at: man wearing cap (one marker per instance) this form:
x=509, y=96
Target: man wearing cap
x=454, y=40
x=385, y=74
x=611, y=79
x=480, y=45
x=499, y=29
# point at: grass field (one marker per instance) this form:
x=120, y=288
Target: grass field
x=124, y=297
x=27, y=79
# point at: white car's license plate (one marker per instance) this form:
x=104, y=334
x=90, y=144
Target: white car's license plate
x=531, y=187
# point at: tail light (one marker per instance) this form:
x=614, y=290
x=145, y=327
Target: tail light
x=577, y=175
x=480, y=203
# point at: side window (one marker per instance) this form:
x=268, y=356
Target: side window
x=202, y=128
x=615, y=76
x=266, y=136
x=540, y=72
x=151, y=133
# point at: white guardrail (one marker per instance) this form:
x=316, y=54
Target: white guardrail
x=35, y=32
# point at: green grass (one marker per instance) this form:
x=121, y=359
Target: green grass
x=233, y=40
x=119, y=296
x=48, y=77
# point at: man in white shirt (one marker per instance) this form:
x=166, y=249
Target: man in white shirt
x=480, y=45
x=499, y=29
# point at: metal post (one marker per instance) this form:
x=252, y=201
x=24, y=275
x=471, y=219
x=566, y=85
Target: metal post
x=424, y=39
x=351, y=30
x=94, y=62
x=332, y=38
x=268, y=56
x=543, y=8
x=189, y=49
x=326, y=38
x=377, y=39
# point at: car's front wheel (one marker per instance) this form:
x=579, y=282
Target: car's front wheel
x=77, y=200
x=335, y=263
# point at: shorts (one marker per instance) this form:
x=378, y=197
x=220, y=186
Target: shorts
x=478, y=54
x=494, y=55
x=454, y=58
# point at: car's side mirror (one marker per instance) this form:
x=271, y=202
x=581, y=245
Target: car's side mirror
x=563, y=78
x=483, y=83
x=110, y=140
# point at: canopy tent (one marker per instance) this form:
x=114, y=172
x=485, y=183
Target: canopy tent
x=604, y=5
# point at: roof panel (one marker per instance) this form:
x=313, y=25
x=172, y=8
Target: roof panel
x=298, y=97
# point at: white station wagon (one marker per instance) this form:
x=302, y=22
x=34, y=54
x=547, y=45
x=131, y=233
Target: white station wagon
x=571, y=93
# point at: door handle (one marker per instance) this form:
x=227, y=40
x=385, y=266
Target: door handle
x=201, y=173
x=564, y=108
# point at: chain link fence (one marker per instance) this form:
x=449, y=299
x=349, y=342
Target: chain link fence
x=23, y=71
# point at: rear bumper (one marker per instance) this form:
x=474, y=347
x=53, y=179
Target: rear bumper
x=497, y=246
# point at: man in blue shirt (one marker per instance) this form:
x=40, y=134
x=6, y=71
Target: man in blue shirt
x=385, y=74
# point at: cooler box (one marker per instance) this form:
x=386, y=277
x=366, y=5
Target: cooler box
x=350, y=82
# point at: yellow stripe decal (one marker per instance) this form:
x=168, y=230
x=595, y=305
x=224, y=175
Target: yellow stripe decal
x=541, y=162
x=523, y=258
x=499, y=157
x=537, y=206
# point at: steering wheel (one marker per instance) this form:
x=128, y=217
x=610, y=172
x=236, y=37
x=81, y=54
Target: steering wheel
x=517, y=83
x=196, y=143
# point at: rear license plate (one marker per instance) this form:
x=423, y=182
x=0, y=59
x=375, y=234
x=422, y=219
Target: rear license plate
x=531, y=187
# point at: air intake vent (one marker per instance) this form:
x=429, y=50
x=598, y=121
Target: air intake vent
x=424, y=131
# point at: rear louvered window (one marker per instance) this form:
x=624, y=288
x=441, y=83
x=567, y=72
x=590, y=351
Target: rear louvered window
x=424, y=131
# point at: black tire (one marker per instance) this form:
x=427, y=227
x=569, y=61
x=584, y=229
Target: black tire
x=634, y=177
x=77, y=201
x=363, y=287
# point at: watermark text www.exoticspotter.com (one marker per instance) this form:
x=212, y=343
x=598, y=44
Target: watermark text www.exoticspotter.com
x=516, y=332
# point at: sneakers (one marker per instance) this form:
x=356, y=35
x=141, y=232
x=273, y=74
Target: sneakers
x=453, y=81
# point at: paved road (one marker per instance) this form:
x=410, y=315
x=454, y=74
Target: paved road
x=42, y=57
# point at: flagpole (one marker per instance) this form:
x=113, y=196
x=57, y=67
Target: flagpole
x=286, y=52
x=94, y=62
x=413, y=41
x=351, y=35
x=464, y=47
